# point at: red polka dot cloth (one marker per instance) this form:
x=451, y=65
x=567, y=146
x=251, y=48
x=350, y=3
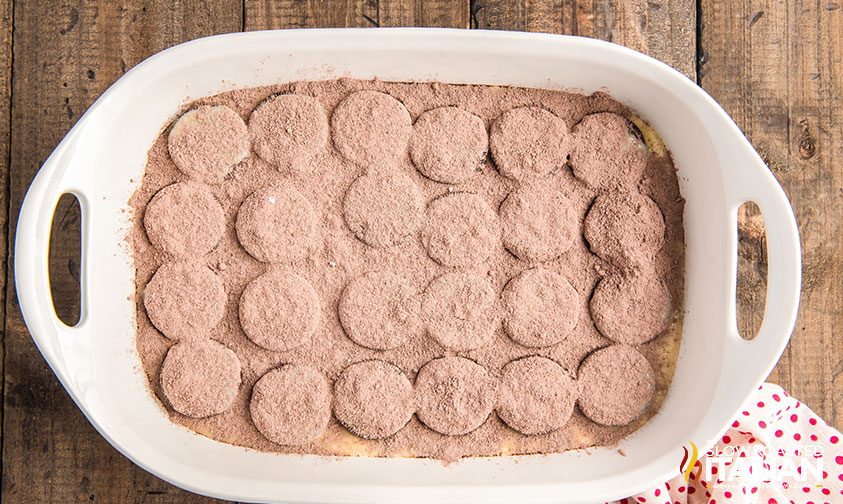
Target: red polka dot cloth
x=777, y=451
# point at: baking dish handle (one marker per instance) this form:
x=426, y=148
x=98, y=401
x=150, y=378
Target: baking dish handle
x=751, y=180
x=60, y=174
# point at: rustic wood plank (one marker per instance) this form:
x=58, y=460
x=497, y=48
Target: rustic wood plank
x=435, y=13
x=277, y=14
x=63, y=59
x=5, y=145
x=775, y=67
x=665, y=30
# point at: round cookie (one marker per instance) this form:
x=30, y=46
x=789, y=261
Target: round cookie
x=449, y=144
x=371, y=128
x=279, y=311
x=631, y=309
x=380, y=310
x=461, y=230
x=541, y=308
x=288, y=129
x=200, y=378
x=291, y=405
x=373, y=399
x=536, y=396
x=539, y=223
x=528, y=142
x=459, y=310
x=606, y=152
x=276, y=224
x=184, y=300
x=617, y=385
x=383, y=211
x=208, y=141
x=184, y=219
x=455, y=395
x=624, y=228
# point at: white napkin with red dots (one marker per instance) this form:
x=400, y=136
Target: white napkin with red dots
x=777, y=451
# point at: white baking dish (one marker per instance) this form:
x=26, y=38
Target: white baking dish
x=102, y=160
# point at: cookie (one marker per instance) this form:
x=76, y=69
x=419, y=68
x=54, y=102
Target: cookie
x=373, y=399
x=200, y=378
x=455, y=395
x=529, y=143
x=184, y=219
x=207, y=142
x=449, y=144
x=279, y=311
x=291, y=405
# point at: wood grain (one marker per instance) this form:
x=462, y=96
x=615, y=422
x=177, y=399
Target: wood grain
x=776, y=68
x=664, y=30
x=64, y=58
x=5, y=145
x=278, y=14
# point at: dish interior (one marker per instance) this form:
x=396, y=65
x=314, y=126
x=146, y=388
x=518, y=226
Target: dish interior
x=329, y=279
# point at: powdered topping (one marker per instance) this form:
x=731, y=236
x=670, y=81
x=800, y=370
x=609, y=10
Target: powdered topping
x=617, y=385
x=291, y=405
x=322, y=261
x=529, y=142
x=459, y=310
x=373, y=399
x=288, y=129
x=276, y=224
x=279, y=311
x=607, y=143
x=184, y=219
x=461, y=230
x=625, y=228
x=455, y=395
x=184, y=300
x=371, y=128
x=539, y=222
x=380, y=310
x=631, y=309
x=208, y=141
x=541, y=308
x=449, y=144
x=383, y=210
x=537, y=395
x=200, y=378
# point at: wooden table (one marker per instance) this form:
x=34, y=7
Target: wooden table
x=775, y=66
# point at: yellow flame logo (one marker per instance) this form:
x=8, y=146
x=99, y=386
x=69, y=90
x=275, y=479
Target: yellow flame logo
x=689, y=460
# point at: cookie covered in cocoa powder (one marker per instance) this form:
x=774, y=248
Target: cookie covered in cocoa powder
x=618, y=384
x=184, y=219
x=449, y=144
x=455, y=395
x=625, y=228
x=276, y=224
x=287, y=130
x=291, y=405
x=536, y=395
x=200, y=378
x=529, y=143
x=184, y=300
x=380, y=310
x=371, y=128
x=208, y=141
x=373, y=399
